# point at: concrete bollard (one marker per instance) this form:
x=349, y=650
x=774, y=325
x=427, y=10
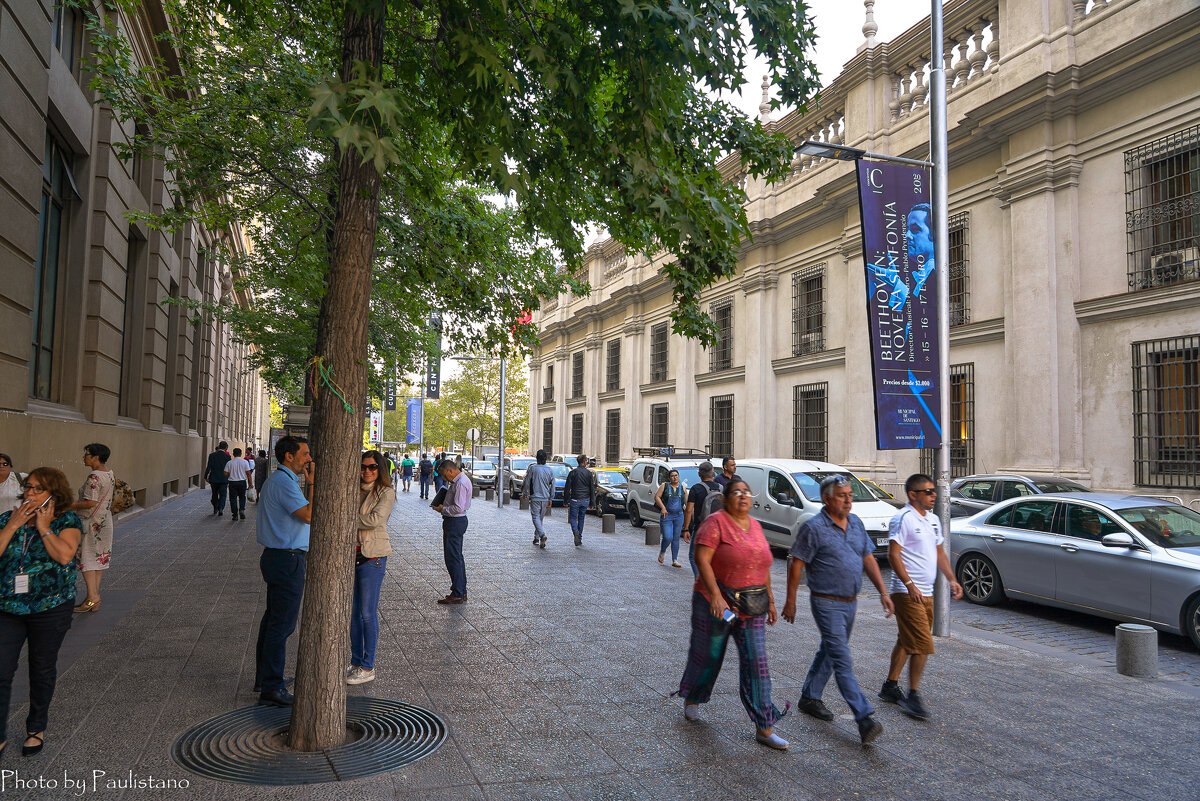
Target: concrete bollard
x=474, y=491
x=608, y=524
x=1137, y=651
x=489, y=494
x=524, y=503
x=507, y=498
x=653, y=534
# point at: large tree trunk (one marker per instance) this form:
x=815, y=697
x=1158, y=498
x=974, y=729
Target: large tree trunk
x=319, y=716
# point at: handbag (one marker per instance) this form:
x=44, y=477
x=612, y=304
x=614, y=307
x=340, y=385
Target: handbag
x=748, y=601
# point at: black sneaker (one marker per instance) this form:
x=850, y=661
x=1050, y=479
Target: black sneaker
x=536, y=539
x=869, y=729
x=914, y=706
x=542, y=543
x=814, y=707
x=891, y=692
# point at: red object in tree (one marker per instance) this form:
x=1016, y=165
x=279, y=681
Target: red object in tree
x=524, y=318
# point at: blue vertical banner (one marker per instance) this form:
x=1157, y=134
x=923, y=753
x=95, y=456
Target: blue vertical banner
x=414, y=419
x=902, y=303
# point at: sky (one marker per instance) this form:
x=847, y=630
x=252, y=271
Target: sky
x=839, y=35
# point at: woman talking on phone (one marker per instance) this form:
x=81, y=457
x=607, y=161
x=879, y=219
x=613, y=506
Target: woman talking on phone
x=38, y=541
x=732, y=597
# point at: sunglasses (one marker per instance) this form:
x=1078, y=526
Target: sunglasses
x=929, y=491
x=32, y=488
x=369, y=467
x=742, y=494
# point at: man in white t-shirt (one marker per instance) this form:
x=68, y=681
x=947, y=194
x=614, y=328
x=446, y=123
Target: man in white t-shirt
x=241, y=478
x=915, y=554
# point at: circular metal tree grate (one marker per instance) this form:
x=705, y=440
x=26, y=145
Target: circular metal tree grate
x=246, y=745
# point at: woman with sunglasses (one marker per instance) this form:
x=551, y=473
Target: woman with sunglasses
x=734, y=561
x=669, y=498
x=38, y=541
x=95, y=506
x=375, y=507
x=10, y=484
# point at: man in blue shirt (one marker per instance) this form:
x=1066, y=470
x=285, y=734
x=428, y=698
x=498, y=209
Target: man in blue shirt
x=283, y=517
x=836, y=549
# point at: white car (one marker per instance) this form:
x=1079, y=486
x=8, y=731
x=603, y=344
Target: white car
x=787, y=492
x=645, y=476
x=482, y=472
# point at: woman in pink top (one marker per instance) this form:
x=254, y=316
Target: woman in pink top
x=731, y=552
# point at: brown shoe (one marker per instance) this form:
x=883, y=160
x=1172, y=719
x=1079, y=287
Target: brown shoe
x=452, y=599
x=88, y=606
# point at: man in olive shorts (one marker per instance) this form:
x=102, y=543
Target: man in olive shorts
x=916, y=556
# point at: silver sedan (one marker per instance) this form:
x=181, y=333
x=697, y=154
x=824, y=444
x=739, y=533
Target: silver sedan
x=1123, y=557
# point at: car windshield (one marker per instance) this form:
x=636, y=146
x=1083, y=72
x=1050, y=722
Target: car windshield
x=484, y=466
x=1165, y=526
x=520, y=464
x=570, y=461
x=1059, y=486
x=560, y=470
x=611, y=478
x=688, y=476
x=810, y=485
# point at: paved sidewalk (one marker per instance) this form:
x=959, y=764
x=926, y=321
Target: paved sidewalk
x=554, y=680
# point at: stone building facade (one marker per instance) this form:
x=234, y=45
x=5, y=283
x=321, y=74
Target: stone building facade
x=91, y=351
x=1074, y=131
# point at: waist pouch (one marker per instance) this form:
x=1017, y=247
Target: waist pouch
x=748, y=601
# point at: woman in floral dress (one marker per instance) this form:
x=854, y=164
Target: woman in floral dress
x=95, y=513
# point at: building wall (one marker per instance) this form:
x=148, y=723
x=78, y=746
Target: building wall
x=1044, y=103
x=126, y=368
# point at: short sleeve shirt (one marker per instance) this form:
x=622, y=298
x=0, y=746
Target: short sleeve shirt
x=236, y=469
x=277, y=526
x=833, y=558
x=740, y=558
x=919, y=537
x=50, y=584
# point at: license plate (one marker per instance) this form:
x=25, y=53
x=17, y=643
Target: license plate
x=881, y=542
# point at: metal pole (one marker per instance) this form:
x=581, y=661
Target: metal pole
x=939, y=155
x=500, y=456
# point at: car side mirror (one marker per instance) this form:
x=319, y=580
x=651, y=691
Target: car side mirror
x=784, y=500
x=1118, y=540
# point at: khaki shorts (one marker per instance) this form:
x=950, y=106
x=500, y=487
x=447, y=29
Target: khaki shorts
x=915, y=622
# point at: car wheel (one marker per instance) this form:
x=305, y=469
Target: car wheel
x=635, y=519
x=980, y=580
x=1191, y=621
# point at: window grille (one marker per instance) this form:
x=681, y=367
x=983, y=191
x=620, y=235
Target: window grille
x=960, y=434
x=721, y=355
x=576, y=433
x=548, y=390
x=810, y=421
x=658, y=353
x=613, y=365
x=52, y=235
x=960, y=278
x=612, y=437
x=577, y=375
x=1166, y=412
x=1162, y=210
x=720, y=426
x=548, y=434
x=658, y=425
x=808, y=310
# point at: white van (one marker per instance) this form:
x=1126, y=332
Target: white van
x=787, y=492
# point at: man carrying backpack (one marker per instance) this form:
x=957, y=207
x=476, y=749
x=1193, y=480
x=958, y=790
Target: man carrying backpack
x=699, y=506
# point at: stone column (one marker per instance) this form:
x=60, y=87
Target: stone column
x=758, y=429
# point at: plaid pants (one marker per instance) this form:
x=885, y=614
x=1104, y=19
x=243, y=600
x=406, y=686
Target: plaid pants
x=710, y=637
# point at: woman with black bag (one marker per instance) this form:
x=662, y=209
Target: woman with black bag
x=732, y=596
x=370, y=557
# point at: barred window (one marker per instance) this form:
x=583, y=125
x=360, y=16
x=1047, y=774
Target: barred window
x=612, y=378
x=808, y=310
x=720, y=425
x=658, y=352
x=577, y=375
x=612, y=437
x=548, y=434
x=960, y=280
x=810, y=421
x=1162, y=210
x=576, y=433
x=53, y=232
x=961, y=431
x=548, y=390
x=721, y=355
x=658, y=425
x=1166, y=412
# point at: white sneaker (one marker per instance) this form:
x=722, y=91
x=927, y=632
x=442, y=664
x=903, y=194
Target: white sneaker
x=677, y=563
x=360, y=676
x=691, y=711
x=350, y=670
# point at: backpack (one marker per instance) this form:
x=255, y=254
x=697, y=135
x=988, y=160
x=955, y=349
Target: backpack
x=713, y=501
x=122, y=497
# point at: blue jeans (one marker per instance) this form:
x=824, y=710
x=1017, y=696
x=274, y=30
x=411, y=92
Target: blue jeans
x=424, y=486
x=364, y=620
x=453, y=529
x=577, y=514
x=672, y=528
x=692, y=555
x=537, y=511
x=835, y=621
x=284, y=573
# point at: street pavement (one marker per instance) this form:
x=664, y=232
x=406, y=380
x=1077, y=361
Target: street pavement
x=555, y=680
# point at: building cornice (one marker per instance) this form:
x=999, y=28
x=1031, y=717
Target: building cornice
x=1137, y=304
x=580, y=400
x=546, y=407
x=611, y=395
x=809, y=361
x=733, y=374
x=974, y=333
x=657, y=387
